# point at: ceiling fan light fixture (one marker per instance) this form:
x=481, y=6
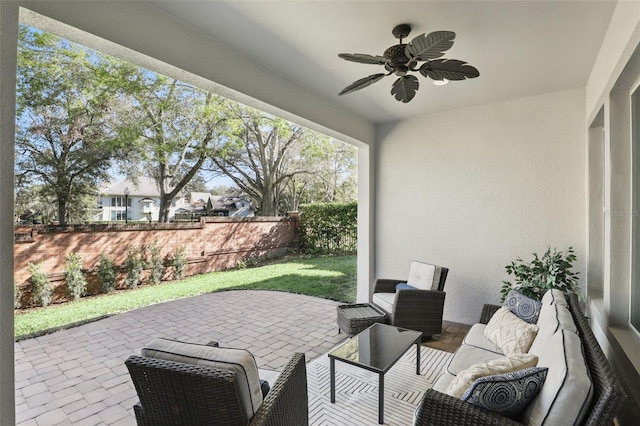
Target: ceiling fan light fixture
x=403, y=58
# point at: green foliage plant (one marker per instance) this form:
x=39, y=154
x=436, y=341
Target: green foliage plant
x=535, y=277
x=328, y=228
x=41, y=287
x=73, y=275
x=133, y=266
x=107, y=274
x=17, y=296
x=156, y=263
x=179, y=262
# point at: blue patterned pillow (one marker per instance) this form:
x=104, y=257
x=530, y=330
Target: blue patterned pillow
x=524, y=307
x=507, y=394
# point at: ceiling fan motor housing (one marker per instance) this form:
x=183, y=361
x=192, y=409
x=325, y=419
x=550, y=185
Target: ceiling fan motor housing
x=397, y=59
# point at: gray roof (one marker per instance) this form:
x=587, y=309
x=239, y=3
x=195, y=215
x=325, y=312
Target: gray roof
x=146, y=187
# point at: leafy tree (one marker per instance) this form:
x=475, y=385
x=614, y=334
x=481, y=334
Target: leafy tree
x=179, y=125
x=330, y=177
x=258, y=156
x=67, y=132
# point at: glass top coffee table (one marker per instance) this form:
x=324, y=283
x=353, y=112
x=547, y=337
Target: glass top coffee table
x=375, y=349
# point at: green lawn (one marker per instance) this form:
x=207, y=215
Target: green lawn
x=330, y=277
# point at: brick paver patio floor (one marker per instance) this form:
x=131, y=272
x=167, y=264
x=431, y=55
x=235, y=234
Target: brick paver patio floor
x=77, y=376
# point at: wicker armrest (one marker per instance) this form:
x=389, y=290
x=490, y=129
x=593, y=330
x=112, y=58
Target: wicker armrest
x=287, y=403
x=440, y=409
x=386, y=285
x=487, y=312
x=431, y=301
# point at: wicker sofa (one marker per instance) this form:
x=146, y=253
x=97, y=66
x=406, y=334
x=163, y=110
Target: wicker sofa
x=182, y=383
x=598, y=408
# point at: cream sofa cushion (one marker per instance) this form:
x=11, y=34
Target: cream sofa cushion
x=554, y=296
x=475, y=337
x=567, y=392
x=465, y=378
x=509, y=332
x=552, y=318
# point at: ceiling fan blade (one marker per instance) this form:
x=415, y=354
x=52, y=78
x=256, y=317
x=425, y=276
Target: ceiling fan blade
x=405, y=88
x=432, y=46
x=363, y=58
x=362, y=83
x=451, y=69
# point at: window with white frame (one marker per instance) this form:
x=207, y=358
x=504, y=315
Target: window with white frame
x=120, y=215
x=119, y=201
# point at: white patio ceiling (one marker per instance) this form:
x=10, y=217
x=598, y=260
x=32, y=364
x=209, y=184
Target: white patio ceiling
x=521, y=48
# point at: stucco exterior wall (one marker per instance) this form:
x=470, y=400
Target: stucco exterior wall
x=486, y=184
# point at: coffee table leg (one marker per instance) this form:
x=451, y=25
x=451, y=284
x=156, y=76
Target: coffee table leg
x=332, y=375
x=418, y=357
x=381, y=398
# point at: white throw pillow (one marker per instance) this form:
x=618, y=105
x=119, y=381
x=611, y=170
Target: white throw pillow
x=465, y=378
x=510, y=333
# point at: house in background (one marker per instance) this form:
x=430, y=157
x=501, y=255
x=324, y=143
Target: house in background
x=135, y=201
x=141, y=201
x=198, y=204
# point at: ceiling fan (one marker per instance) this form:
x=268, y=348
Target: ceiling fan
x=405, y=57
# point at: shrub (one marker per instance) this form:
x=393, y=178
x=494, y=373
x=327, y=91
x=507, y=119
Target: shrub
x=179, y=262
x=17, y=296
x=107, y=274
x=76, y=281
x=133, y=266
x=157, y=266
x=328, y=228
x=40, y=285
x=534, y=278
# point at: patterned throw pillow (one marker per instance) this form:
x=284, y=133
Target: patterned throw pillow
x=510, y=333
x=465, y=378
x=524, y=307
x=508, y=394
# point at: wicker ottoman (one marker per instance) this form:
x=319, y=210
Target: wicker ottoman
x=352, y=319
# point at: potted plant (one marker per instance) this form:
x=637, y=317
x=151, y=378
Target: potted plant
x=534, y=278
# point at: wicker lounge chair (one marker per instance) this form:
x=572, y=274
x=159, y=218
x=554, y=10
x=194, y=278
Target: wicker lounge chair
x=176, y=393
x=417, y=309
x=438, y=408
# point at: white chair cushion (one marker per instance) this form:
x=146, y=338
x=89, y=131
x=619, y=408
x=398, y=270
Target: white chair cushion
x=566, y=393
x=421, y=275
x=510, y=333
x=239, y=360
x=384, y=301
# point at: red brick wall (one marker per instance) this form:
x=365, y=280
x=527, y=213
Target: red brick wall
x=214, y=244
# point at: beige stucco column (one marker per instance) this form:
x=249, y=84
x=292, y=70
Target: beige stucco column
x=8, y=44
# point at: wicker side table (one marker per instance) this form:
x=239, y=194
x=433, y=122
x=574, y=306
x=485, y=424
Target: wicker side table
x=352, y=319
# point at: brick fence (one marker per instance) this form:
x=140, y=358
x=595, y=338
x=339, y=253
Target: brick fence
x=213, y=244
